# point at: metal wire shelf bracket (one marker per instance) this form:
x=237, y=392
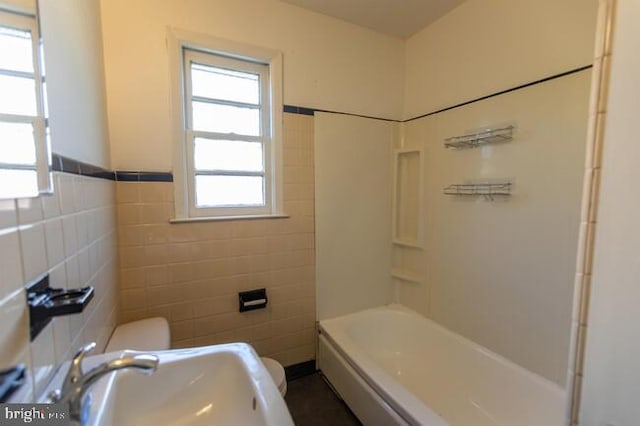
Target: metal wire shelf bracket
x=487, y=190
x=473, y=140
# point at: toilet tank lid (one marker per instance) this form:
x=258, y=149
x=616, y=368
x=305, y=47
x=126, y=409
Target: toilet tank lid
x=151, y=334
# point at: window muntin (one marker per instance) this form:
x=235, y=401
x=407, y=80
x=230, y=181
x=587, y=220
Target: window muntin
x=228, y=135
x=23, y=148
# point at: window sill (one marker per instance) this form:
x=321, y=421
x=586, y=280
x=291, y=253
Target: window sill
x=227, y=218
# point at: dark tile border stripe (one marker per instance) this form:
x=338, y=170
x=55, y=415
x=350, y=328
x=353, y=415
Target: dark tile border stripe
x=311, y=111
x=60, y=163
x=299, y=110
x=302, y=369
x=126, y=176
x=64, y=164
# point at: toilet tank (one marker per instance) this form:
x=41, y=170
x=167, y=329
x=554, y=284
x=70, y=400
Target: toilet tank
x=151, y=334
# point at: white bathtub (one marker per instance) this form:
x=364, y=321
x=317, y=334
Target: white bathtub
x=393, y=366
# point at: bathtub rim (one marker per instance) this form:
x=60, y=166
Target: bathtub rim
x=408, y=406
x=364, y=401
x=396, y=307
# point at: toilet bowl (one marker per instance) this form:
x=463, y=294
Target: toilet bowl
x=276, y=370
x=151, y=334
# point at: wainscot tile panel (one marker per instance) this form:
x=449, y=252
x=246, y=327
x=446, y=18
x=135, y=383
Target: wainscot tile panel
x=71, y=235
x=191, y=273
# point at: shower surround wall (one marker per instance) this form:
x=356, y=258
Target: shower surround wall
x=501, y=272
x=191, y=273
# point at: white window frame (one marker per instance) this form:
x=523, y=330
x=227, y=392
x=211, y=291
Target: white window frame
x=24, y=19
x=183, y=45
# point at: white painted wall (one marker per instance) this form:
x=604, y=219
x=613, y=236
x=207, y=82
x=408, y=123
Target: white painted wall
x=75, y=79
x=353, y=213
x=485, y=46
x=501, y=273
x=611, y=374
x=328, y=64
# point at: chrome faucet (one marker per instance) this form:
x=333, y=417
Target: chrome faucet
x=76, y=383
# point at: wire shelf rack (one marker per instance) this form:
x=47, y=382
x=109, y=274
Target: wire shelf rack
x=487, y=190
x=503, y=134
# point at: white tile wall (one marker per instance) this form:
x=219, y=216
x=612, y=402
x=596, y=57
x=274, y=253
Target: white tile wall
x=71, y=235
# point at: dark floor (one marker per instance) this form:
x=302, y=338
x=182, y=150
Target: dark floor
x=312, y=403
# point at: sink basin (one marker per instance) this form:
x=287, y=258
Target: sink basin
x=209, y=385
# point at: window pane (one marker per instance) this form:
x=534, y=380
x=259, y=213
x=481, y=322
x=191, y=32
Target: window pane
x=218, y=83
x=15, y=50
x=18, y=183
x=220, y=191
x=226, y=119
x=17, y=95
x=228, y=155
x=17, y=143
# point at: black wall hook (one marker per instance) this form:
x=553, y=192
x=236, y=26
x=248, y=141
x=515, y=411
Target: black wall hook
x=46, y=302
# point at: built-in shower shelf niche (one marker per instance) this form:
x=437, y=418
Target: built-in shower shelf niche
x=407, y=197
x=487, y=190
x=483, y=137
x=406, y=276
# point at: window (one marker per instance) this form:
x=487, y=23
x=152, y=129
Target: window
x=23, y=149
x=227, y=161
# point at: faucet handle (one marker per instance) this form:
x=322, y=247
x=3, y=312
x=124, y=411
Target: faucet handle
x=74, y=375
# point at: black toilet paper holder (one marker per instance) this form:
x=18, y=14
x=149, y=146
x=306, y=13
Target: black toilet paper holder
x=253, y=299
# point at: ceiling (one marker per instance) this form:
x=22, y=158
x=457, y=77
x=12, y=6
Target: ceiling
x=400, y=18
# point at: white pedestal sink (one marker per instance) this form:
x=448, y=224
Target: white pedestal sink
x=209, y=385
